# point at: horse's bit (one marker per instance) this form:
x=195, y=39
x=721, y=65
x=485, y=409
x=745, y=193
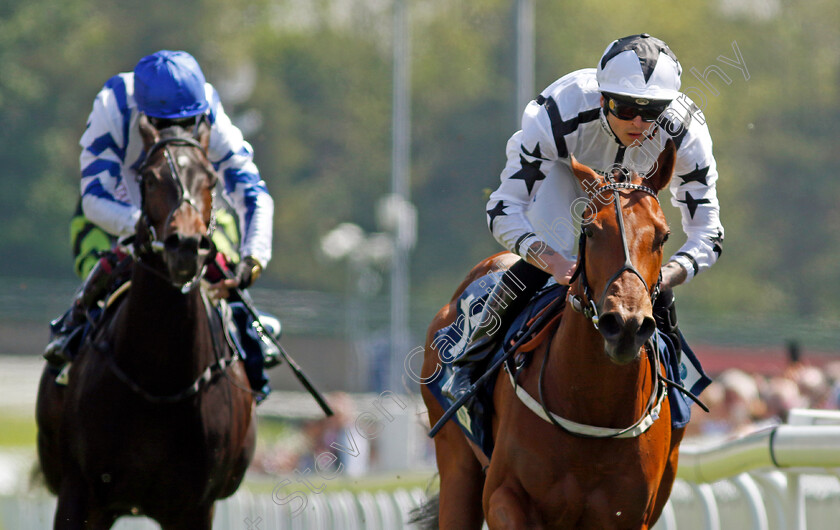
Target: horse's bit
x=585, y=304
x=184, y=195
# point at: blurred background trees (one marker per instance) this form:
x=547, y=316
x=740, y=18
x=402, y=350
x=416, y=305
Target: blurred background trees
x=309, y=82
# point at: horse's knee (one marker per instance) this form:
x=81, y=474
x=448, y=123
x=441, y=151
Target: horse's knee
x=72, y=510
x=504, y=511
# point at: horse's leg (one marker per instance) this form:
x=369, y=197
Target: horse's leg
x=48, y=415
x=504, y=509
x=668, y=476
x=461, y=481
x=461, y=478
x=200, y=518
x=72, y=511
x=98, y=520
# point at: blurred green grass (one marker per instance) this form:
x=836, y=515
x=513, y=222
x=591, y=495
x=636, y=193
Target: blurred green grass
x=16, y=430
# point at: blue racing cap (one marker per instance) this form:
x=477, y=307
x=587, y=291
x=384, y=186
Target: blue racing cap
x=169, y=84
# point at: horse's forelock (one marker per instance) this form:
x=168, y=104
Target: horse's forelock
x=174, y=131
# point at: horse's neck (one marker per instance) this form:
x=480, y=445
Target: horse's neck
x=161, y=328
x=582, y=381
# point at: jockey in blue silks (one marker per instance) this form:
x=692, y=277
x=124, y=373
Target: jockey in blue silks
x=170, y=89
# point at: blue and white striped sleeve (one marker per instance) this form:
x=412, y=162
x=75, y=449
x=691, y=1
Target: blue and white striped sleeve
x=244, y=189
x=105, y=200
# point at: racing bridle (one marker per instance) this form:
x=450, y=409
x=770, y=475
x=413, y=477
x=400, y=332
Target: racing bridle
x=585, y=303
x=151, y=242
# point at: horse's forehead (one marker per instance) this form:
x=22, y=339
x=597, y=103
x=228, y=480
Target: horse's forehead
x=637, y=209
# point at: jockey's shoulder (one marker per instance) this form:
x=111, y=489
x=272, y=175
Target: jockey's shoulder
x=574, y=93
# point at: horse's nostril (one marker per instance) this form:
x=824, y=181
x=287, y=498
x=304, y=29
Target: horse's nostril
x=205, y=243
x=171, y=243
x=647, y=329
x=610, y=325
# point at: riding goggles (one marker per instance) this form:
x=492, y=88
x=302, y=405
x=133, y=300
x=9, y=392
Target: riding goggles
x=625, y=110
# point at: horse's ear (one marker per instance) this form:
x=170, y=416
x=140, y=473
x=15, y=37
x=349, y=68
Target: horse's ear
x=202, y=133
x=587, y=177
x=664, y=168
x=148, y=132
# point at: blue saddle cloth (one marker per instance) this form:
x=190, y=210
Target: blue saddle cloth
x=475, y=417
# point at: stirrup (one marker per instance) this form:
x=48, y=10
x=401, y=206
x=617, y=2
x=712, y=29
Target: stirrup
x=458, y=384
x=63, y=376
x=272, y=359
x=56, y=353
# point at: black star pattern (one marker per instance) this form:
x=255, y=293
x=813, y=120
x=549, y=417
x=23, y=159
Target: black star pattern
x=692, y=203
x=535, y=153
x=717, y=243
x=698, y=175
x=497, y=210
x=530, y=171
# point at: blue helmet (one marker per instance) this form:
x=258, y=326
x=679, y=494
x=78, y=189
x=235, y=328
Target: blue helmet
x=169, y=84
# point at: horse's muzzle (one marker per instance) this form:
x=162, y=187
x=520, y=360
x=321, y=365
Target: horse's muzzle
x=625, y=334
x=185, y=256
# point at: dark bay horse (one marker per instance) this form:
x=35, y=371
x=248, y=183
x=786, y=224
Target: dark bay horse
x=157, y=418
x=585, y=439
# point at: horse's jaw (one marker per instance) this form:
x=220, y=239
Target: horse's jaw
x=185, y=258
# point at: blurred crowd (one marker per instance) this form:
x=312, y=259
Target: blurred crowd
x=335, y=435
x=741, y=402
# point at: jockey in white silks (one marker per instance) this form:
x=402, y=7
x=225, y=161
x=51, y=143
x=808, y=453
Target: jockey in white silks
x=613, y=118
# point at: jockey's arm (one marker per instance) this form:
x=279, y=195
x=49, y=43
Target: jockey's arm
x=105, y=198
x=531, y=155
x=694, y=193
x=673, y=274
x=543, y=257
x=245, y=190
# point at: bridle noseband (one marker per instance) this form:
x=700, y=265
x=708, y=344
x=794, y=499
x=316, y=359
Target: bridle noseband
x=586, y=304
x=184, y=196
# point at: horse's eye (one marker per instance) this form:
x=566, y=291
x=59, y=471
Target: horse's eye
x=588, y=232
x=664, y=239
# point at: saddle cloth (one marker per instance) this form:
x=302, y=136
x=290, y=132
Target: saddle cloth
x=475, y=418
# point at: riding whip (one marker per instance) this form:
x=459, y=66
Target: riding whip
x=249, y=305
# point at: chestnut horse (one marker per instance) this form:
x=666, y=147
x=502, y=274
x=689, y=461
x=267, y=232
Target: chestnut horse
x=157, y=418
x=584, y=440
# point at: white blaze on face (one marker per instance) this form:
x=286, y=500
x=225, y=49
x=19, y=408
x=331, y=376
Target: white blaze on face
x=183, y=160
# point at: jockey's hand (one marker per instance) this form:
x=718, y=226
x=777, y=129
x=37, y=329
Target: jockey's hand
x=673, y=274
x=248, y=270
x=544, y=257
x=223, y=288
